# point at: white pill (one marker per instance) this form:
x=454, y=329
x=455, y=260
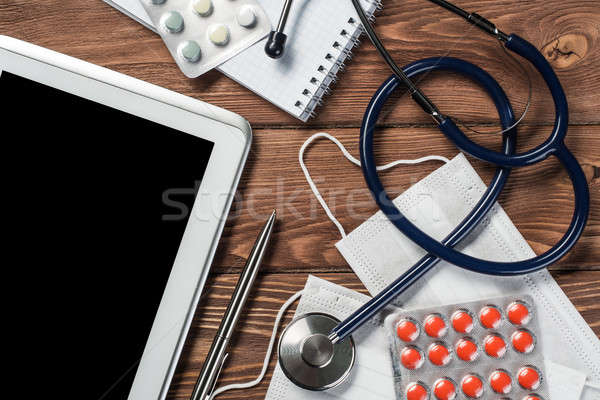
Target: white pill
x=203, y=7
x=246, y=16
x=218, y=34
x=173, y=21
x=190, y=50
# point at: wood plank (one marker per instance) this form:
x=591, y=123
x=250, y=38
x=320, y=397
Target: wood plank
x=250, y=343
x=567, y=32
x=538, y=199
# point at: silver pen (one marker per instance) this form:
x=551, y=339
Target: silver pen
x=215, y=359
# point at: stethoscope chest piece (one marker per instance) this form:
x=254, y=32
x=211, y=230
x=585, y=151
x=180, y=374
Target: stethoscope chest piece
x=309, y=359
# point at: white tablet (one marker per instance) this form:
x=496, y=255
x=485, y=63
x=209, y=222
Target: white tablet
x=117, y=192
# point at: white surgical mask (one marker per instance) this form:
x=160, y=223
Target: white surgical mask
x=379, y=253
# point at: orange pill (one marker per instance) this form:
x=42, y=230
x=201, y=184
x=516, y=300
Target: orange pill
x=529, y=378
x=523, y=341
x=416, y=391
x=439, y=354
x=532, y=397
x=466, y=350
x=462, y=321
x=444, y=389
x=411, y=358
x=472, y=386
x=500, y=382
x=407, y=330
x=435, y=326
x=518, y=313
x=490, y=317
x=494, y=346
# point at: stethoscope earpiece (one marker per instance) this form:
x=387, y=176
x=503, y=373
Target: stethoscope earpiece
x=275, y=44
x=309, y=358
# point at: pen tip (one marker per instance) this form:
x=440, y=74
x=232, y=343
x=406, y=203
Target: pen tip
x=272, y=218
x=271, y=221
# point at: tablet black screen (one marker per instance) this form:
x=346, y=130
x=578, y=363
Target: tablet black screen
x=93, y=219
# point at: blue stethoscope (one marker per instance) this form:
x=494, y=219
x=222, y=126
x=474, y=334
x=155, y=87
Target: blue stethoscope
x=338, y=334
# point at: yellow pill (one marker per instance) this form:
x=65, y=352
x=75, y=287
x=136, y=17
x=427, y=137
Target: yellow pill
x=203, y=7
x=218, y=34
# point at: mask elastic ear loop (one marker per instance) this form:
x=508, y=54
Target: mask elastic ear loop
x=260, y=377
x=354, y=161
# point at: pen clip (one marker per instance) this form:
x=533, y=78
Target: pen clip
x=214, y=385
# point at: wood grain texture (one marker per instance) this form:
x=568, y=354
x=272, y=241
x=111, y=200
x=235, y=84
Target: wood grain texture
x=567, y=31
x=250, y=343
x=538, y=199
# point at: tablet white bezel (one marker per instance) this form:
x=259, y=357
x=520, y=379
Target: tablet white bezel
x=231, y=135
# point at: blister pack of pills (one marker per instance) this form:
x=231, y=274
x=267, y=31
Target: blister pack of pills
x=485, y=349
x=202, y=34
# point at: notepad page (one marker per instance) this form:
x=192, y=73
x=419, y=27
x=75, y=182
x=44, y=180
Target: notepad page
x=321, y=34
x=297, y=81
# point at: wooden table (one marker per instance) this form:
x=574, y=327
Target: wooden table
x=538, y=199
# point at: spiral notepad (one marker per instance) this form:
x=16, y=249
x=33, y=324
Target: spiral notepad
x=321, y=36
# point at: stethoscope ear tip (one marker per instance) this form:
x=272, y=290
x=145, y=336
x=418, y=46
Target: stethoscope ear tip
x=309, y=358
x=275, y=44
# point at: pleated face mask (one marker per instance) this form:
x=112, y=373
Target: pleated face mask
x=379, y=253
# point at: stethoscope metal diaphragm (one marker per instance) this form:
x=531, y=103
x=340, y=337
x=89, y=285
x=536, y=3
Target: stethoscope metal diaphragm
x=308, y=357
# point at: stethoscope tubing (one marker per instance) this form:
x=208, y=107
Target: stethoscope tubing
x=487, y=201
x=554, y=146
x=526, y=50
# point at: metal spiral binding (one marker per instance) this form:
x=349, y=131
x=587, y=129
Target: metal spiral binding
x=320, y=83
